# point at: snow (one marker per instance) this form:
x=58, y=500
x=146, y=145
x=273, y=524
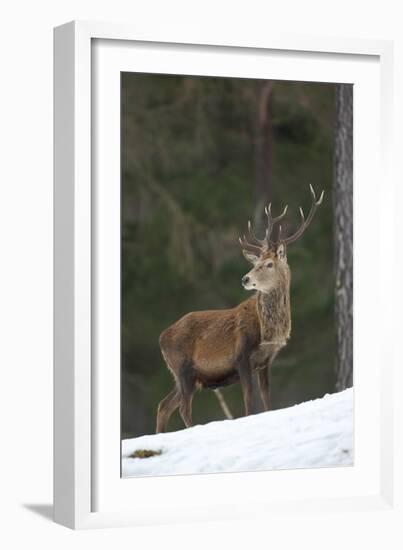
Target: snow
x=313, y=434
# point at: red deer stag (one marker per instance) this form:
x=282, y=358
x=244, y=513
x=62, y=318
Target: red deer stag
x=210, y=349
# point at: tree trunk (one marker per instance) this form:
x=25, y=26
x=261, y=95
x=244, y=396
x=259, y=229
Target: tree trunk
x=263, y=143
x=343, y=211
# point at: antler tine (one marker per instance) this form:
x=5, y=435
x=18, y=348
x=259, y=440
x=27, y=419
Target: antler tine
x=251, y=247
x=305, y=222
x=272, y=221
x=259, y=242
x=319, y=201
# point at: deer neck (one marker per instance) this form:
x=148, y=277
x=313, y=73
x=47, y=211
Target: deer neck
x=274, y=314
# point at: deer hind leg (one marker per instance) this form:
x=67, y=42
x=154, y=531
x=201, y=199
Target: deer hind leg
x=165, y=409
x=187, y=386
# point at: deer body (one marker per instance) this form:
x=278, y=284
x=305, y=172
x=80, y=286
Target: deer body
x=211, y=349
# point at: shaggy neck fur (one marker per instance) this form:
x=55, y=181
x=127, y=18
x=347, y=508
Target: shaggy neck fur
x=274, y=313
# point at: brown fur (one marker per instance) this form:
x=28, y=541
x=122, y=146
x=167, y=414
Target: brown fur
x=209, y=349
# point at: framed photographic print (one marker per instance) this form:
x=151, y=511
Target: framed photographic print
x=213, y=203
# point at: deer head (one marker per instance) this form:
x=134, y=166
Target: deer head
x=268, y=256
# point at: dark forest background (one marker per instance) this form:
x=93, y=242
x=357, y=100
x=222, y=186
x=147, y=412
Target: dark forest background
x=201, y=156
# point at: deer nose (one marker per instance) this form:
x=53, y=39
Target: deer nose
x=245, y=280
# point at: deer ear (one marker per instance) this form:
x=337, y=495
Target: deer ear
x=281, y=252
x=252, y=258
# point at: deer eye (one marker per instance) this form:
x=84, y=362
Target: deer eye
x=270, y=264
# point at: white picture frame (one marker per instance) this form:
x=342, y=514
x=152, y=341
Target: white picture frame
x=88, y=491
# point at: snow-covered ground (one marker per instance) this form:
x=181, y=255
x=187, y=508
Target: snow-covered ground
x=313, y=434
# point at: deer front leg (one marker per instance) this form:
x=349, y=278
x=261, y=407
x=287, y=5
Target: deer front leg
x=245, y=377
x=264, y=386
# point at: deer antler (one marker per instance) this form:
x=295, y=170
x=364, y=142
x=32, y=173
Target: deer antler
x=304, y=222
x=248, y=246
x=262, y=245
x=271, y=221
